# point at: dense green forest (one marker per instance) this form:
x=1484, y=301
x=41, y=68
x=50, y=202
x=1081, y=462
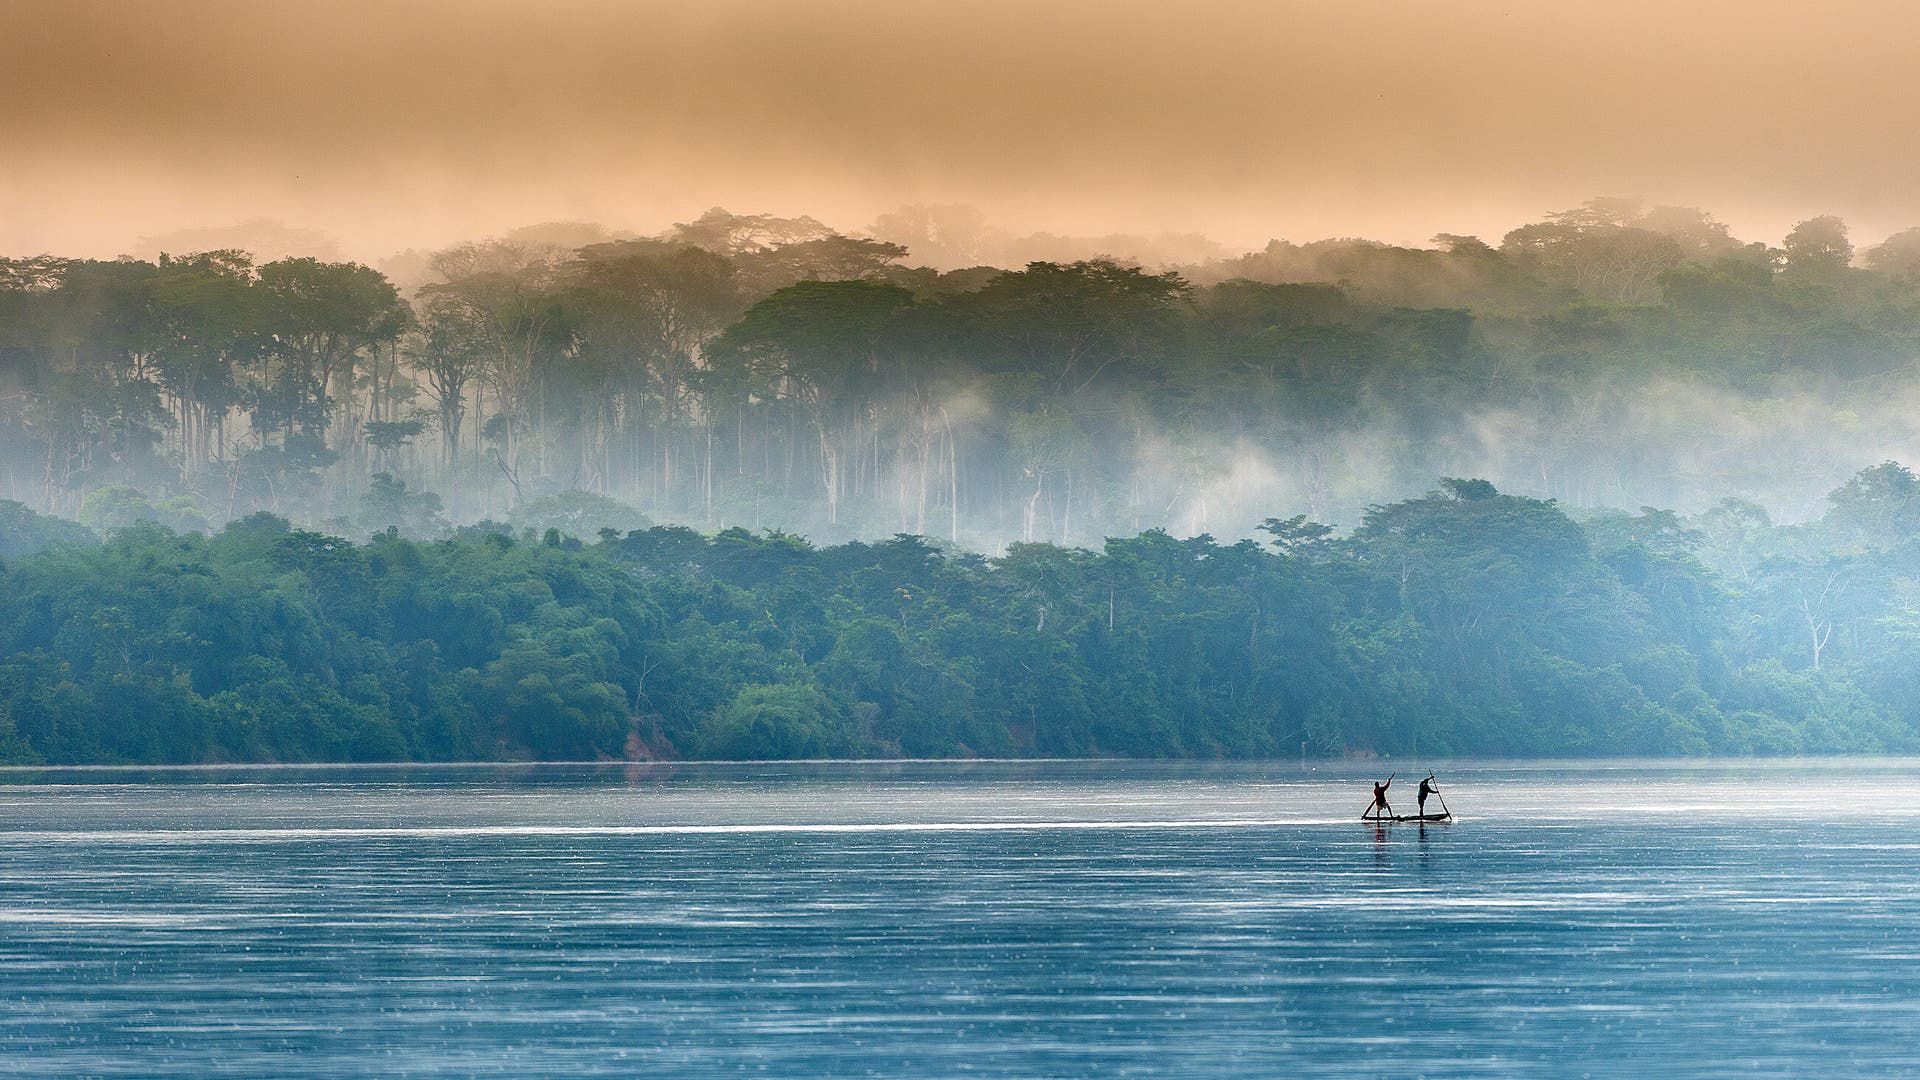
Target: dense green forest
x=630, y=497
x=755, y=371
x=1465, y=621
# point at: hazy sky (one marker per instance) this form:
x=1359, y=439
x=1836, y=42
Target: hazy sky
x=392, y=125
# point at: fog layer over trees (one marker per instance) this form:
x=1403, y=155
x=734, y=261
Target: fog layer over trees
x=770, y=372
x=198, y=449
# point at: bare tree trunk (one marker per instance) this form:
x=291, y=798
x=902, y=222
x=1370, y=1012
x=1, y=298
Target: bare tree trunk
x=1066, y=511
x=953, y=478
x=1033, y=504
x=830, y=473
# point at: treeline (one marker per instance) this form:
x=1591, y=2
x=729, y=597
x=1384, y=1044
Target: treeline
x=771, y=372
x=1464, y=622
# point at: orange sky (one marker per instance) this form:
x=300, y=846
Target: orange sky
x=394, y=125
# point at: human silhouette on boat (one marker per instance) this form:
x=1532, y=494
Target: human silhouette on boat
x=1380, y=807
x=1381, y=810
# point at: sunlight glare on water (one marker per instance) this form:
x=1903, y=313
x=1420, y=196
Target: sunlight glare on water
x=935, y=919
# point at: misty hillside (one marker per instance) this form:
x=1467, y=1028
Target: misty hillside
x=756, y=371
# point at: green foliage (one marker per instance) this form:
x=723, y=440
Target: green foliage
x=1818, y=247
x=779, y=722
x=580, y=514
x=388, y=504
x=1878, y=507
x=23, y=532
x=1467, y=621
x=118, y=506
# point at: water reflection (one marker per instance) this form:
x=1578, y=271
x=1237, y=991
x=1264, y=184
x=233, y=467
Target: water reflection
x=913, y=919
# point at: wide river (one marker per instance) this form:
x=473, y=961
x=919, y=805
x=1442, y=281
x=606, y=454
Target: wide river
x=1009, y=919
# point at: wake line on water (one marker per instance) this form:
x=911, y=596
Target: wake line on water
x=430, y=832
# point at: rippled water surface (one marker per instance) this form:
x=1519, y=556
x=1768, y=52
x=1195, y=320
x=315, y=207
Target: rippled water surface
x=939, y=920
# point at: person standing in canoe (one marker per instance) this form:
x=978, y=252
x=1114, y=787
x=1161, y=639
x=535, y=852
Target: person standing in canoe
x=1380, y=806
x=1427, y=787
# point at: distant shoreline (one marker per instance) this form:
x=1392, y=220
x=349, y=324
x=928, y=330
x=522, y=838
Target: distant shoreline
x=1313, y=764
